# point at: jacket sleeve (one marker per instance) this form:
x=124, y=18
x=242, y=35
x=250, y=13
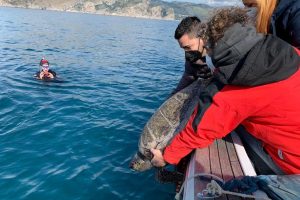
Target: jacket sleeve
x=293, y=27
x=188, y=77
x=218, y=120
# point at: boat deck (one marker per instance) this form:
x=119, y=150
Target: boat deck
x=225, y=158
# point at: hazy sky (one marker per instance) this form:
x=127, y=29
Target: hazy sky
x=214, y=2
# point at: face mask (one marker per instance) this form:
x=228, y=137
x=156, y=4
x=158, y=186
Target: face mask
x=193, y=56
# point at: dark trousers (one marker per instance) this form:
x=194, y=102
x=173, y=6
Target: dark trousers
x=263, y=163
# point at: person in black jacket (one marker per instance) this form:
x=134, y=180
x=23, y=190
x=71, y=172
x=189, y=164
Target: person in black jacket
x=187, y=35
x=196, y=63
x=278, y=17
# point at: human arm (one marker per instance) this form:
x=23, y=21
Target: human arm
x=50, y=75
x=53, y=73
x=188, y=77
x=41, y=75
x=192, y=72
x=219, y=119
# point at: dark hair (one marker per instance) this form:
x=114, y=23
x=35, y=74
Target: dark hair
x=222, y=20
x=188, y=25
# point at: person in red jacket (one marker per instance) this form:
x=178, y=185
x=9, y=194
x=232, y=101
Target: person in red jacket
x=255, y=84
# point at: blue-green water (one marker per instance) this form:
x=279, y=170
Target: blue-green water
x=74, y=139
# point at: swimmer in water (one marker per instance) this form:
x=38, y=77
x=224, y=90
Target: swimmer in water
x=45, y=73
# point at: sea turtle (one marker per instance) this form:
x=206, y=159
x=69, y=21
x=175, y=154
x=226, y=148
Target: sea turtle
x=165, y=123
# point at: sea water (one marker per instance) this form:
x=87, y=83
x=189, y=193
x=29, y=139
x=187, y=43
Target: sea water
x=74, y=138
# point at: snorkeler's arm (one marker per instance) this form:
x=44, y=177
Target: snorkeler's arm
x=41, y=75
x=51, y=75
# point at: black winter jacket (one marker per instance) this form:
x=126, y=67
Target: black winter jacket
x=285, y=21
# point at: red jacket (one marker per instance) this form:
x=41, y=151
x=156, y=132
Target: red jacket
x=264, y=112
x=270, y=111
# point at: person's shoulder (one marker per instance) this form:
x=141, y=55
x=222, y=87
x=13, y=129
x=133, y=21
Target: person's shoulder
x=37, y=75
x=52, y=72
x=292, y=7
x=295, y=7
x=296, y=3
x=286, y=8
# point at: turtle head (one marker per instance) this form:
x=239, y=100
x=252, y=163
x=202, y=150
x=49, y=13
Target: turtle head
x=141, y=162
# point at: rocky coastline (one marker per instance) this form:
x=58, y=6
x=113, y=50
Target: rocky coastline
x=152, y=9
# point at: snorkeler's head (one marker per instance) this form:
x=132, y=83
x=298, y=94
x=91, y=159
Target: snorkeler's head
x=44, y=63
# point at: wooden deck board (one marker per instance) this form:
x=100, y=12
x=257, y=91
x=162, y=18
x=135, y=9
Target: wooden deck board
x=225, y=164
x=235, y=164
x=214, y=160
x=225, y=158
x=215, y=163
x=219, y=159
x=231, y=150
x=202, y=165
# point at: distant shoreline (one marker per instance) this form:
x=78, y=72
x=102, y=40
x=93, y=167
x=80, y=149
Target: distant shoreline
x=93, y=13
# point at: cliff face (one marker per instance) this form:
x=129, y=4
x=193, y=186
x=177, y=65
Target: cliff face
x=134, y=8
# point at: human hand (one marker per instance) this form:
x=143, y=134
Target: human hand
x=203, y=71
x=51, y=76
x=41, y=76
x=158, y=159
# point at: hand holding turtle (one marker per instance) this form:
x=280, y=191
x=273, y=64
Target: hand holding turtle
x=158, y=159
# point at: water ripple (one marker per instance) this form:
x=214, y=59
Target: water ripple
x=73, y=138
